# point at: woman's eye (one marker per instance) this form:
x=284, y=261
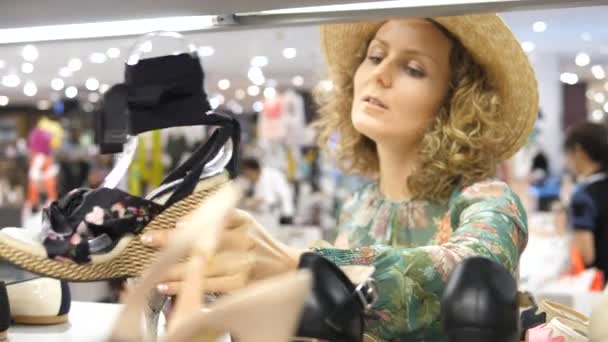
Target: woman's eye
x=414, y=72
x=375, y=59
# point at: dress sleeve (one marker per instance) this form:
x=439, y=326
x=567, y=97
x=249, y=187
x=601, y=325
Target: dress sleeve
x=488, y=220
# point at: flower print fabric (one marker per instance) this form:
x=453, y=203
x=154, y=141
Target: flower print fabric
x=414, y=246
x=82, y=215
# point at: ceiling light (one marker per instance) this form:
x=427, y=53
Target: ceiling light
x=71, y=92
x=256, y=76
x=598, y=72
x=253, y=90
x=206, y=51
x=105, y=29
x=270, y=92
x=2, y=64
x=606, y=107
x=582, y=59
x=586, y=36
x=98, y=58
x=65, y=72
x=259, y=61
x=74, y=64
x=27, y=68
x=539, y=26
x=92, y=84
x=599, y=98
x=569, y=78
x=113, y=52
x=57, y=84
x=289, y=53
x=103, y=88
x=43, y=105
x=297, y=81
x=597, y=115
x=528, y=46
x=223, y=84
x=3, y=101
x=11, y=81
x=93, y=97
x=240, y=94
x=258, y=106
x=29, y=53
x=327, y=85
x=30, y=89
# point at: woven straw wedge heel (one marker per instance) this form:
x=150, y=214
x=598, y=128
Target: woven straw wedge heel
x=127, y=259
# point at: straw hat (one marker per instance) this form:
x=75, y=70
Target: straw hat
x=491, y=44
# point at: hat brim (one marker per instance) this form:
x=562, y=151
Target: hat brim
x=491, y=44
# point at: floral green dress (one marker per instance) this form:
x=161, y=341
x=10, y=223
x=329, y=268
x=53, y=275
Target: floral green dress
x=414, y=245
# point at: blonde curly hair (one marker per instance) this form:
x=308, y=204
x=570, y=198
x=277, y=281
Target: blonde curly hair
x=458, y=149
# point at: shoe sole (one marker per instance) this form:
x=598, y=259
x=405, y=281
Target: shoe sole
x=130, y=262
x=40, y=320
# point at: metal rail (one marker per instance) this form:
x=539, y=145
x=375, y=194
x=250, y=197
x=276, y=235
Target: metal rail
x=317, y=15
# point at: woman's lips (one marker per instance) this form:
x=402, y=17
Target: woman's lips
x=374, y=101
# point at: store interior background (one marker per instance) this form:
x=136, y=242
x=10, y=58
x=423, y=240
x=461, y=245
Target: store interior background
x=245, y=72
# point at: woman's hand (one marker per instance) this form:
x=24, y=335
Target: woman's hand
x=245, y=253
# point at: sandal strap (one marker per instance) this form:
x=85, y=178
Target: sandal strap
x=202, y=153
x=85, y=215
x=111, y=121
x=152, y=98
x=159, y=99
x=212, y=147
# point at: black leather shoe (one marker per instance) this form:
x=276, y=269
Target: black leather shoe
x=334, y=310
x=479, y=303
x=5, y=312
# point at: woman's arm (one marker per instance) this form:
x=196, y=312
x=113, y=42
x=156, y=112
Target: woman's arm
x=490, y=221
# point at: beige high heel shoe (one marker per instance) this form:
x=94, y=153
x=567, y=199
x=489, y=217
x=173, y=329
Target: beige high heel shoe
x=598, y=326
x=554, y=309
x=265, y=312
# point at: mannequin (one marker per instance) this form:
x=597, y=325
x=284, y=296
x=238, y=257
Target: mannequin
x=43, y=140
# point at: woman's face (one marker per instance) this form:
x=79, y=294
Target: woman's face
x=575, y=157
x=402, y=82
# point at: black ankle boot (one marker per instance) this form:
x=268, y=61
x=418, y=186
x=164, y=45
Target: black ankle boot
x=334, y=310
x=5, y=312
x=479, y=303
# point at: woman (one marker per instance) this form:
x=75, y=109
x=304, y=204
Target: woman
x=429, y=108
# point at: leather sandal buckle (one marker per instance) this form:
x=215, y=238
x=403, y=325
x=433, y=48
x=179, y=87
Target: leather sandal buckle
x=367, y=292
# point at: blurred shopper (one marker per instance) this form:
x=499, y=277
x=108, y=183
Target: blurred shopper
x=268, y=191
x=587, y=159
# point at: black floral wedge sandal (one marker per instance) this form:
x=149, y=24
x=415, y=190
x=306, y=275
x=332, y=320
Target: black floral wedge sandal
x=93, y=234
